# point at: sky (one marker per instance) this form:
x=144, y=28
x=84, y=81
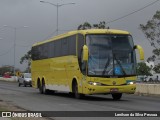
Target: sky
x=35, y=21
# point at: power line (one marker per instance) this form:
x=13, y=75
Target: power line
x=24, y=45
x=132, y=12
x=50, y=35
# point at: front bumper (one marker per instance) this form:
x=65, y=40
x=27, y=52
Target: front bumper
x=92, y=89
x=28, y=82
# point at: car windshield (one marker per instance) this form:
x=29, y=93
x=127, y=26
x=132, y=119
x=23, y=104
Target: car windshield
x=27, y=75
x=110, y=55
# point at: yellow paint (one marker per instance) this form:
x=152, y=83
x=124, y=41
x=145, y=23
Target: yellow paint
x=141, y=51
x=61, y=71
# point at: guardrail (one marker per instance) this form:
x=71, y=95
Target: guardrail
x=148, y=88
x=149, y=82
x=12, y=79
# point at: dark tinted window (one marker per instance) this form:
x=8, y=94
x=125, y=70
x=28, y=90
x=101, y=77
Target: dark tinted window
x=35, y=53
x=57, y=48
x=80, y=47
x=72, y=45
x=44, y=51
x=64, y=49
x=51, y=49
x=80, y=44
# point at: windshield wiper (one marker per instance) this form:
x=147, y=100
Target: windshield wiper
x=119, y=64
x=107, y=63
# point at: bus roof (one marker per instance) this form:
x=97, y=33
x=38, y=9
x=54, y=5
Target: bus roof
x=84, y=32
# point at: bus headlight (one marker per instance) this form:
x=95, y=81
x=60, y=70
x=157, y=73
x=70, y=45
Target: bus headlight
x=94, y=83
x=130, y=82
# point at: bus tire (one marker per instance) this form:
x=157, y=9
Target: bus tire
x=44, y=90
x=116, y=96
x=39, y=86
x=75, y=90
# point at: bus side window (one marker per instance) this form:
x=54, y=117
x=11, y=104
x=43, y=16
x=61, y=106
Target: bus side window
x=65, y=47
x=51, y=49
x=57, y=48
x=72, y=45
x=80, y=43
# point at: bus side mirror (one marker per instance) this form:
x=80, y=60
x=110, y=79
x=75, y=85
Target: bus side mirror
x=85, y=53
x=141, y=51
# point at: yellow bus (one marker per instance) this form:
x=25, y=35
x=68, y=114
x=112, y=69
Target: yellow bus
x=86, y=62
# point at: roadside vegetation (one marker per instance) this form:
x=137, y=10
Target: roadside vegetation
x=151, y=31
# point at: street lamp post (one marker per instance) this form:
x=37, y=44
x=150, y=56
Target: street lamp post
x=15, y=37
x=56, y=5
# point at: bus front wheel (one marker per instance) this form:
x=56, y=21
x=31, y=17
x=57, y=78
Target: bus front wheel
x=116, y=96
x=75, y=90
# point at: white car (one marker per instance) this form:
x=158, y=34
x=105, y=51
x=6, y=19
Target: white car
x=25, y=79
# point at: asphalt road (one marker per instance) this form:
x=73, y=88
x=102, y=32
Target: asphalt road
x=30, y=99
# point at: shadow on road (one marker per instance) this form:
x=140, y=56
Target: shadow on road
x=85, y=98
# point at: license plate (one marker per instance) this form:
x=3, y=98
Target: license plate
x=114, y=90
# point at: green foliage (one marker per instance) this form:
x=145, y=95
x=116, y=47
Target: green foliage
x=27, y=59
x=84, y=26
x=101, y=25
x=87, y=25
x=152, y=32
x=5, y=69
x=143, y=69
x=157, y=68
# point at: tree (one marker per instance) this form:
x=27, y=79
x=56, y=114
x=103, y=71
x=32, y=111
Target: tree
x=84, y=26
x=87, y=25
x=143, y=69
x=157, y=68
x=152, y=32
x=101, y=25
x=27, y=59
x=7, y=69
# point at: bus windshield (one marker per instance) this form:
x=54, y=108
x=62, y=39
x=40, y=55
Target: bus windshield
x=111, y=55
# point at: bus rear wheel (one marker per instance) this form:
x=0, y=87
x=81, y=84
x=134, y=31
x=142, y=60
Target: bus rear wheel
x=39, y=86
x=44, y=90
x=75, y=90
x=116, y=96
